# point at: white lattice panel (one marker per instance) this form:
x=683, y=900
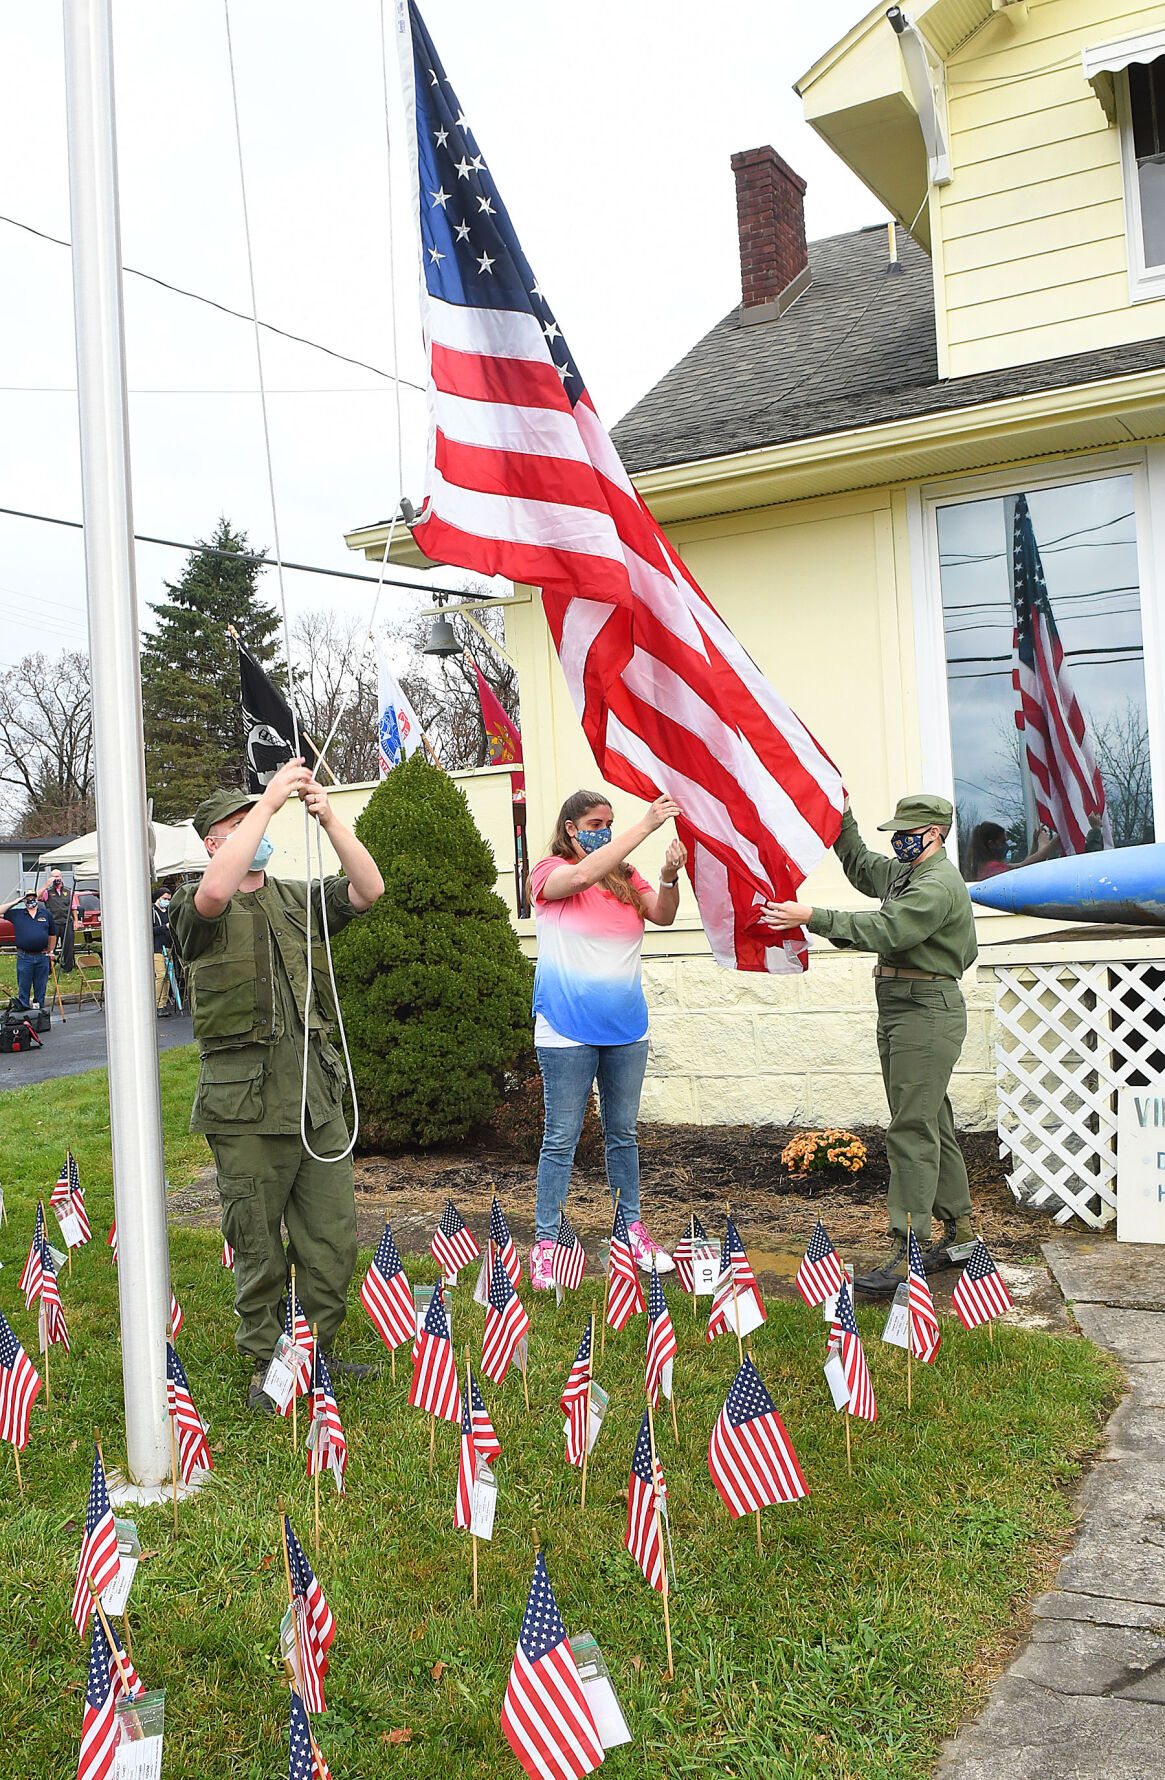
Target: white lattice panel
x=1068, y=1036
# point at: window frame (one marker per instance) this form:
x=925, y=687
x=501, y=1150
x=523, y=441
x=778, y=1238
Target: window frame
x=1146, y=283
x=1147, y=471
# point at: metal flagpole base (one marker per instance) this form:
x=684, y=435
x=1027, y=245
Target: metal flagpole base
x=148, y=1495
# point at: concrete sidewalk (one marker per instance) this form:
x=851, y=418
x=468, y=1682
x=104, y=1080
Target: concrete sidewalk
x=1085, y=1698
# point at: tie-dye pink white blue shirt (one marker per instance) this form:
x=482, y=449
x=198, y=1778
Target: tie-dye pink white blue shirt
x=588, y=985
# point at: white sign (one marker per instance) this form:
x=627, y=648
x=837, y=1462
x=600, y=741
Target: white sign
x=896, y=1330
x=829, y=1307
x=59, y=1259
x=283, y=1370
x=71, y=1232
x=743, y=1313
x=598, y=1692
x=1140, y=1165
x=835, y=1379
x=481, y=1289
x=140, y=1727
x=483, y=1502
x=599, y=1401
x=705, y=1271
x=115, y=1594
x=422, y=1298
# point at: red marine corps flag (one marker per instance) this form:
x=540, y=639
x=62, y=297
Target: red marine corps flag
x=523, y=481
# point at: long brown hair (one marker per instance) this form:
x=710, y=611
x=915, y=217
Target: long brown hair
x=618, y=879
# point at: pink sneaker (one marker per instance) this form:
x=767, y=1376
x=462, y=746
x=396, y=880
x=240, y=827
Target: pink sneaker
x=646, y=1250
x=541, y=1256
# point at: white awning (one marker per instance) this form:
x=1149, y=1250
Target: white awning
x=1106, y=59
x=177, y=850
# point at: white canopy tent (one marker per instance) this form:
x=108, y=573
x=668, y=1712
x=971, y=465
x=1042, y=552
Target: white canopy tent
x=177, y=849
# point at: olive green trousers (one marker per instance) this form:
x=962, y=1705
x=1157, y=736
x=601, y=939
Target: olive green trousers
x=265, y=1182
x=921, y=1028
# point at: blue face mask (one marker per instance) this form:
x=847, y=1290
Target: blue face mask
x=590, y=839
x=263, y=853
x=907, y=846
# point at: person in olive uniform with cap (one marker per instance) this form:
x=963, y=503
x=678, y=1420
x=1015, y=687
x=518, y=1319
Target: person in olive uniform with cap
x=243, y=939
x=924, y=937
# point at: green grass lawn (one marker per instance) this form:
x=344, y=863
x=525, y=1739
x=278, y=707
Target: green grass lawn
x=848, y=1651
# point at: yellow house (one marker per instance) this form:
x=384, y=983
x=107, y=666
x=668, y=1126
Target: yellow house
x=838, y=462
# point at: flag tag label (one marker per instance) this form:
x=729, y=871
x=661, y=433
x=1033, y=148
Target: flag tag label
x=599, y=1401
x=71, y=1233
x=59, y=1257
x=140, y=1728
x=600, y=1696
x=42, y=1330
x=665, y=1378
x=897, y=1322
x=483, y=1502
x=422, y=1298
x=829, y=1307
x=744, y=1313
x=835, y=1379
x=705, y=1272
x=115, y=1594
x=3, y=1213
x=288, y=1648
x=960, y=1252
x=280, y=1379
x=481, y=1289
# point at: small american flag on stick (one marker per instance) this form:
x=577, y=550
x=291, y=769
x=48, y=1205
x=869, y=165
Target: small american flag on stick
x=545, y=1716
x=228, y=1255
x=51, y=1311
x=737, y=1281
x=645, y=1507
x=568, y=1259
x=30, y=1274
x=506, y=1326
x=820, y=1273
x=695, y=1237
x=499, y=1235
x=434, y=1386
x=661, y=1342
x=19, y=1384
x=925, y=1339
x=453, y=1246
x=298, y=1331
x=98, y=1557
x=326, y=1445
x=193, y=1451
x=485, y=1440
x=386, y=1297
x=573, y=1401
x=316, y=1627
x=750, y=1455
x=99, y=1728
x=466, y=1464
x=624, y=1292
x=853, y=1360
x=980, y=1294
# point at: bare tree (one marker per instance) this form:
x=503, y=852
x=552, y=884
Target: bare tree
x=335, y=678
x=1121, y=745
x=46, y=743
x=444, y=693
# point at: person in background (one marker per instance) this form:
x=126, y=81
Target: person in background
x=243, y=938
x=590, y=1017
x=160, y=911
x=987, y=856
x=61, y=904
x=36, y=935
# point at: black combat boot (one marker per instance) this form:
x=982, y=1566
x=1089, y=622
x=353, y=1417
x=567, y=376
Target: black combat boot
x=884, y=1281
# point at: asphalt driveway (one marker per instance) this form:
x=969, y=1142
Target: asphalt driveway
x=77, y=1043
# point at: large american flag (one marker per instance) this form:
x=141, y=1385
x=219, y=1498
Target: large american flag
x=624, y=1292
x=661, y=1342
x=506, y=1326
x=1065, y=777
x=545, y=1716
x=385, y=1294
x=19, y=1384
x=317, y=1628
x=980, y=1294
x=750, y=1456
x=573, y=1401
x=453, y=1246
x=193, y=1451
x=503, y=1242
x=568, y=1257
x=645, y=1505
x=434, y=1385
x=98, y=1557
x=853, y=1359
x=923, y=1329
x=523, y=481
x=820, y=1273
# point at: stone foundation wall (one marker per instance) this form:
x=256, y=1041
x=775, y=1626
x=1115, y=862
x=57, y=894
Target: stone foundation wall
x=731, y=1048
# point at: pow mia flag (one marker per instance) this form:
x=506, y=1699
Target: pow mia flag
x=269, y=733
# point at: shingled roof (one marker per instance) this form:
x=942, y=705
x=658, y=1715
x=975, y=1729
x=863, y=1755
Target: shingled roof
x=856, y=349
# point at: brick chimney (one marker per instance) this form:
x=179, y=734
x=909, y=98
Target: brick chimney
x=770, y=215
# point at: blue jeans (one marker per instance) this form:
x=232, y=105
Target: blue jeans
x=32, y=977
x=568, y=1074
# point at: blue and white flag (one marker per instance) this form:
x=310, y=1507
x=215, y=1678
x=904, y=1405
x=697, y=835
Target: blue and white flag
x=398, y=729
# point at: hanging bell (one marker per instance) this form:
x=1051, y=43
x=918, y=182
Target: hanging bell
x=442, y=641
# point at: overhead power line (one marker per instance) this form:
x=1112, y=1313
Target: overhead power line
x=225, y=309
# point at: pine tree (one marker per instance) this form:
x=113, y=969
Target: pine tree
x=433, y=983
x=190, y=673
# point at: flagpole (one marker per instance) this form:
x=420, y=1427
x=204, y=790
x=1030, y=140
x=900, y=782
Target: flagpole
x=909, y=1326
x=295, y=1380
x=16, y=1456
x=659, y=1539
x=587, y=1416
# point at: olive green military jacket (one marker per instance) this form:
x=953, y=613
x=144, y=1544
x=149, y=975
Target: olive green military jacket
x=926, y=921
x=247, y=975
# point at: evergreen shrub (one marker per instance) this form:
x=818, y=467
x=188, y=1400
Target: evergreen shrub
x=434, y=987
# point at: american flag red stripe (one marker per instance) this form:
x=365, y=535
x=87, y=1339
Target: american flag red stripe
x=573, y=1401
x=506, y=1325
x=980, y=1295
x=317, y=1629
x=737, y=1281
x=193, y=1451
x=624, y=1292
x=327, y=1448
x=503, y=1243
x=922, y=1323
x=485, y=1440
x=177, y=1316
x=523, y=481
x=467, y=1461
x=386, y=1296
x=661, y=1342
x=30, y=1274
x=545, y=1716
x=19, y=1384
x=853, y=1360
x=228, y=1255
x=644, y=1538
x=820, y=1273
x=434, y=1385
x=52, y=1313
x=693, y=1241
x=751, y=1459
x=298, y=1331
x=453, y=1246
x=98, y=1557
x=111, y=1240
x=568, y=1258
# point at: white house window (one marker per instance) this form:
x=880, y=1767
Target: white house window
x=1145, y=149
x=1024, y=577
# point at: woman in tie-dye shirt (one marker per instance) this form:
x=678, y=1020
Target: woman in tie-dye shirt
x=590, y=1018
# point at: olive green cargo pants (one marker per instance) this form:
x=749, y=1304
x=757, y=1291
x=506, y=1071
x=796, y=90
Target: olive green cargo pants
x=921, y=1028
x=264, y=1181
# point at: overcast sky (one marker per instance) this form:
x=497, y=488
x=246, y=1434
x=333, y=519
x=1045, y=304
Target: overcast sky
x=608, y=130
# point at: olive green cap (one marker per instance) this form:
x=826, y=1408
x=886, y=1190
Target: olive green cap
x=217, y=807
x=920, y=810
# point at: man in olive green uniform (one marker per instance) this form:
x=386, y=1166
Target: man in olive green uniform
x=243, y=939
x=924, y=937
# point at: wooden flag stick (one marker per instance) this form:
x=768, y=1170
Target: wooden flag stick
x=672, y=1400
x=43, y=1322
x=114, y=1643
x=392, y=1362
x=290, y=1589
x=909, y=1323
x=736, y=1317
x=659, y=1540
x=295, y=1383
x=432, y=1441
x=692, y=1261
x=587, y=1414
x=16, y=1456
x=523, y=1358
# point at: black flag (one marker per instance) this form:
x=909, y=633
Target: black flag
x=269, y=734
